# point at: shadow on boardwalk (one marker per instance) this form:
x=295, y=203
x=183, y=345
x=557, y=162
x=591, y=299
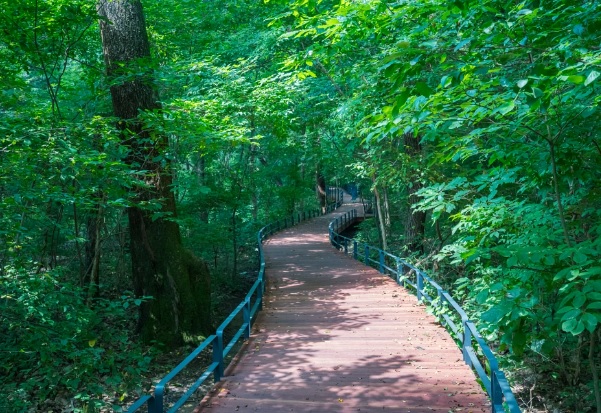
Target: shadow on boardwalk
x=336, y=336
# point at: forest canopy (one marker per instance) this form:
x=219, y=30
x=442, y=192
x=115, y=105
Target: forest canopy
x=472, y=126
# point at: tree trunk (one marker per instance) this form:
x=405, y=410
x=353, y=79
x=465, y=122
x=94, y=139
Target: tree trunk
x=201, y=174
x=234, y=243
x=386, y=205
x=91, y=277
x=161, y=267
x=415, y=223
x=320, y=189
x=380, y=217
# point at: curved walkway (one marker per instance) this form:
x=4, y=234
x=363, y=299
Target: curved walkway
x=337, y=336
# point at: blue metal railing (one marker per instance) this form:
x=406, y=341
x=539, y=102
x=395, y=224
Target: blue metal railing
x=473, y=345
x=249, y=307
x=335, y=194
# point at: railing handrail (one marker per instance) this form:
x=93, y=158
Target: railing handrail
x=247, y=307
x=496, y=385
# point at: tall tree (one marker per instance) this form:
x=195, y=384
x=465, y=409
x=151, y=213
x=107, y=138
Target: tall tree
x=415, y=222
x=161, y=267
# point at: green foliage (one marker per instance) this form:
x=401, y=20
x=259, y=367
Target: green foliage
x=239, y=152
x=260, y=97
x=57, y=348
x=505, y=98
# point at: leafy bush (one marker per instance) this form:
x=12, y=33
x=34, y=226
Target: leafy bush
x=59, y=353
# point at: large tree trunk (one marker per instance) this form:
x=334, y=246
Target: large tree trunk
x=415, y=224
x=161, y=266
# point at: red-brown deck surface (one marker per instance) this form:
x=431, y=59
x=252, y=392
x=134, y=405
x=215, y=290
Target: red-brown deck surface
x=337, y=336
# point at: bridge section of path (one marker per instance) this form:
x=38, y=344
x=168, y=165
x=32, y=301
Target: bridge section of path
x=337, y=336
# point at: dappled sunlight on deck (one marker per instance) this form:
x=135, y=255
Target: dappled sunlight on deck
x=336, y=336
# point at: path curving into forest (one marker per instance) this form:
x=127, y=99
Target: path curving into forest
x=337, y=336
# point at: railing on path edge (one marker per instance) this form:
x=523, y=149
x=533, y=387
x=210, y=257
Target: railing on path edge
x=405, y=274
x=249, y=307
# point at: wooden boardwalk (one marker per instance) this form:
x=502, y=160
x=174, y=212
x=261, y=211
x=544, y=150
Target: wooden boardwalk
x=337, y=336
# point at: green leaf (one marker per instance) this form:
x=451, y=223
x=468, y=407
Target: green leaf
x=445, y=81
x=423, y=89
x=537, y=92
x=576, y=79
x=571, y=314
x=512, y=260
x=594, y=295
x=591, y=77
x=400, y=101
x=549, y=260
x=594, y=306
x=578, y=29
x=496, y=313
x=506, y=108
x=522, y=83
x=482, y=296
x=518, y=343
x=579, y=257
x=589, y=321
x=462, y=44
x=579, y=300
x=573, y=326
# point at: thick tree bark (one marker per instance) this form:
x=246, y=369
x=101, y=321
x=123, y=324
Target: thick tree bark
x=161, y=266
x=415, y=223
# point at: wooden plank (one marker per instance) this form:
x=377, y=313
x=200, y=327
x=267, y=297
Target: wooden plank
x=336, y=336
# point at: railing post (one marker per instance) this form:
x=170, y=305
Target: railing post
x=345, y=246
x=467, y=342
x=420, y=284
x=155, y=404
x=218, y=356
x=246, y=317
x=381, y=261
x=366, y=254
x=260, y=292
x=355, y=252
x=496, y=394
x=399, y=270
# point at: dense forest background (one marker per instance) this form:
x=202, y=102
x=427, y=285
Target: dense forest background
x=473, y=127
